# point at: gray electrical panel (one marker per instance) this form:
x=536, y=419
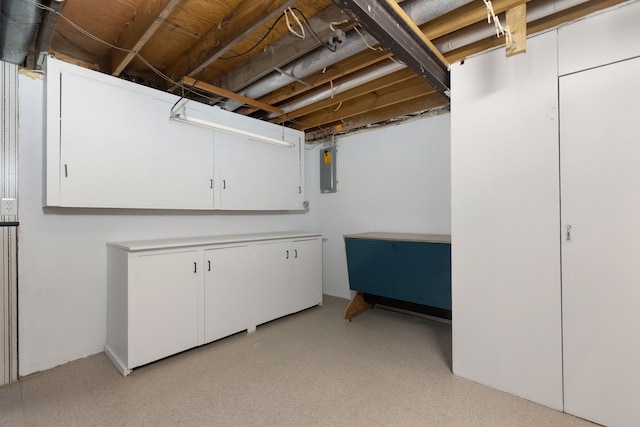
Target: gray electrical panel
x=328, y=170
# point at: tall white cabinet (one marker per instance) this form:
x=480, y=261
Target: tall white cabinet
x=505, y=252
x=544, y=227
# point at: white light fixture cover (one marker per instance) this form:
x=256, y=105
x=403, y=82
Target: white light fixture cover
x=216, y=126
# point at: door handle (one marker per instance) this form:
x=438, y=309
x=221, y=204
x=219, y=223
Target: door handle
x=208, y=265
x=295, y=253
x=568, y=233
x=287, y=255
x=195, y=267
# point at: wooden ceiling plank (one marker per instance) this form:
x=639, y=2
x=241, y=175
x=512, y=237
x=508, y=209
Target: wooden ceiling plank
x=149, y=16
x=516, y=18
x=412, y=106
x=570, y=14
x=343, y=68
x=374, y=85
x=191, y=82
x=541, y=24
x=409, y=89
x=247, y=17
x=464, y=16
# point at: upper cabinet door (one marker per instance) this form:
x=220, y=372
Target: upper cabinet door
x=182, y=159
x=104, y=145
x=256, y=175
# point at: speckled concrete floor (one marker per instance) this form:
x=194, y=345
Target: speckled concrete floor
x=310, y=369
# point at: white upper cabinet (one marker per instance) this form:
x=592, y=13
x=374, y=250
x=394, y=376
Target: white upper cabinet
x=252, y=174
x=104, y=145
x=111, y=144
x=182, y=159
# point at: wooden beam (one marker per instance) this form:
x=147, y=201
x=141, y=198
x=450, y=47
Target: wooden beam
x=391, y=26
x=190, y=81
x=390, y=95
x=422, y=103
x=247, y=17
x=149, y=16
x=464, y=16
x=570, y=14
x=541, y=24
x=516, y=18
x=333, y=72
x=372, y=86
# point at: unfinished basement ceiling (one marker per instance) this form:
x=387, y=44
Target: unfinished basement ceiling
x=334, y=79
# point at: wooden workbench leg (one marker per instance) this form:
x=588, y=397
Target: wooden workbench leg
x=356, y=306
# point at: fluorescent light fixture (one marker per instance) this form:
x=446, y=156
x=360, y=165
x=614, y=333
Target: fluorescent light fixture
x=216, y=126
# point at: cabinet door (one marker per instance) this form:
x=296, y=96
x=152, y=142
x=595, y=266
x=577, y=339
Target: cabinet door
x=256, y=175
x=105, y=145
x=182, y=159
x=165, y=305
x=600, y=154
x=226, y=292
x=271, y=288
x=306, y=274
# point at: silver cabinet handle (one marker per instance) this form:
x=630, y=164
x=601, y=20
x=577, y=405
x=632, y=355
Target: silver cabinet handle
x=568, y=233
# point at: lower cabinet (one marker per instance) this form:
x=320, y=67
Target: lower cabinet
x=167, y=296
x=165, y=292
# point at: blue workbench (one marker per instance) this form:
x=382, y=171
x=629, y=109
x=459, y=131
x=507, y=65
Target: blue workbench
x=409, y=271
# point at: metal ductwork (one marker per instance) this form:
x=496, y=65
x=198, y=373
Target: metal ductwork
x=18, y=24
x=420, y=11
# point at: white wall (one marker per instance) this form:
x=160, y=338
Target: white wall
x=393, y=179
x=396, y=179
x=62, y=252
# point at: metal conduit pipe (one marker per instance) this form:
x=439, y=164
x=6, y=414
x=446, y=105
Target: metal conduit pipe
x=18, y=24
x=354, y=80
x=445, y=44
x=420, y=11
x=482, y=30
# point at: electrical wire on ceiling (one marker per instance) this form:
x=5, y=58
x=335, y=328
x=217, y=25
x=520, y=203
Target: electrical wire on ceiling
x=283, y=15
x=500, y=29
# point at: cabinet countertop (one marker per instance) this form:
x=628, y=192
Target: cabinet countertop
x=402, y=237
x=181, y=242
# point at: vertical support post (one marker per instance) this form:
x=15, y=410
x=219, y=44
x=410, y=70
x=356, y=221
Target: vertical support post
x=517, y=23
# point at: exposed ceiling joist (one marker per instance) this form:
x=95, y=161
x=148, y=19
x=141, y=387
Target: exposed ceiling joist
x=246, y=18
x=283, y=51
x=465, y=16
x=149, y=16
x=425, y=102
x=191, y=82
x=391, y=26
x=516, y=42
x=375, y=85
x=370, y=101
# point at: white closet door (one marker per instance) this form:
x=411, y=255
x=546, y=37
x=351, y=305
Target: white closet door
x=600, y=182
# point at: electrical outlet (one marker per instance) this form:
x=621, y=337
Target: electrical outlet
x=8, y=207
